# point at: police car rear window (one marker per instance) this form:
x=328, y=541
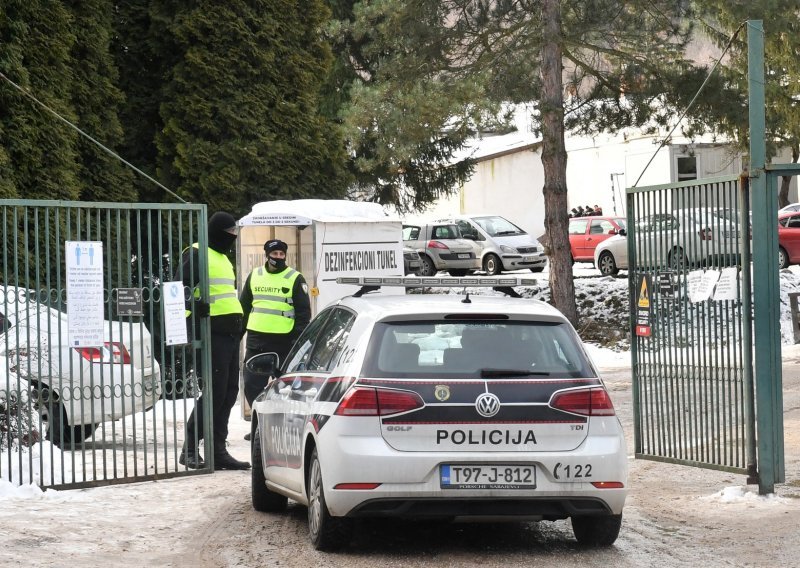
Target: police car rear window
x=475, y=349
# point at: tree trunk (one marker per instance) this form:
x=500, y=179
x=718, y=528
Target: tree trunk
x=554, y=163
x=783, y=193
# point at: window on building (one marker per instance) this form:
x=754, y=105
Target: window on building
x=687, y=168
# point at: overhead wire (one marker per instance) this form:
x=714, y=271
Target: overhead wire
x=90, y=138
x=691, y=103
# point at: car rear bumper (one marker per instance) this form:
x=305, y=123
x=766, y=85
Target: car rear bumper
x=92, y=404
x=541, y=508
x=409, y=482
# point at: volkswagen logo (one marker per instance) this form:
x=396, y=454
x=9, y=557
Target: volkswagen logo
x=487, y=404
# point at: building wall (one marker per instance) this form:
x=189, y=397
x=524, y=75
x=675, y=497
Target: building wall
x=599, y=170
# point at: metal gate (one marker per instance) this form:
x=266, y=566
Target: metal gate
x=690, y=296
x=90, y=398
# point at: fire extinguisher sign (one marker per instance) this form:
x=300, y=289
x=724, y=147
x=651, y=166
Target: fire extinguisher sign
x=644, y=306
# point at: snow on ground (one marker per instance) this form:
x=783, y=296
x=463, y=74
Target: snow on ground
x=603, y=299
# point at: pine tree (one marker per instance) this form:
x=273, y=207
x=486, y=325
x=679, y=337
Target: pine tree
x=97, y=100
x=240, y=110
x=143, y=52
x=443, y=66
x=722, y=108
x=38, y=158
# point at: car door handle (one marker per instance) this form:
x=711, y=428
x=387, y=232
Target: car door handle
x=312, y=392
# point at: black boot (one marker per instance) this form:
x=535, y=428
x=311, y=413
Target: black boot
x=191, y=458
x=224, y=460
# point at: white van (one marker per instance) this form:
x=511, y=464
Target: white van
x=504, y=246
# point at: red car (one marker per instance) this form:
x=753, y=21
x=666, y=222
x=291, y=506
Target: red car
x=585, y=233
x=788, y=239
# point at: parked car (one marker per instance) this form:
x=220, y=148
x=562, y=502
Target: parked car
x=788, y=239
x=503, y=245
x=612, y=254
x=585, y=233
x=431, y=406
x=412, y=264
x=441, y=247
x=679, y=240
x=791, y=208
x=73, y=389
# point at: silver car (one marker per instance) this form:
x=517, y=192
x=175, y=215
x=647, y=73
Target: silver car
x=441, y=247
x=503, y=245
x=423, y=406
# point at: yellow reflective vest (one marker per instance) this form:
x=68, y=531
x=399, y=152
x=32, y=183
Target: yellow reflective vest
x=273, y=309
x=221, y=285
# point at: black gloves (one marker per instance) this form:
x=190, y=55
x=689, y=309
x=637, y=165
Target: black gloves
x=203, y=309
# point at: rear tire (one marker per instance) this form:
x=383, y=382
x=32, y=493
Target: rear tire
x=492, y=265
x=327, y=532
x=783, y=258
x=53, y=413
x=596, y=531
x=537, y=269
x=427, y=268
x=606, y=264
x=677, y=259
x=264, y=500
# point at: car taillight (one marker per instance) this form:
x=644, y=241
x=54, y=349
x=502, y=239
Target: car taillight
x=588, y=402
x=706, y=235
x=377, y=402
x=111, y=352
x=437, y=245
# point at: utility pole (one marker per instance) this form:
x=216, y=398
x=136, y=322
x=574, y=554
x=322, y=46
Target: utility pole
x=613, y=191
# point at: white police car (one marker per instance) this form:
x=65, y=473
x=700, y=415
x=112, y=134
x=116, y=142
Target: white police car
x=438, y=406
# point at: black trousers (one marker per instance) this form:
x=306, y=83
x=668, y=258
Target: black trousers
x=224, y=389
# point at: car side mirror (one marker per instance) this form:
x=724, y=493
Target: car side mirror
x=622, y=232
x=470, y=236
x=612, y=232
x=263, y=364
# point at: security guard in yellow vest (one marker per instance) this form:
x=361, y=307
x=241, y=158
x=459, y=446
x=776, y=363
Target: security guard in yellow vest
x=225, y=313
x=276, y=310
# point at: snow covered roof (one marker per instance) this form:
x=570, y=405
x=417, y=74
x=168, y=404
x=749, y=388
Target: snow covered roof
x=306, y=211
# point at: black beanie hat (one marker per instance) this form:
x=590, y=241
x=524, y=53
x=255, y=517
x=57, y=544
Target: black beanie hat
x=275, y=244
x=221, y=231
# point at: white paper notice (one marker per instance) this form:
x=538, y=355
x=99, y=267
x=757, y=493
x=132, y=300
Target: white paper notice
x=727, y=287
x=701, y=290
x=174, y=313
x=693, y=280
x=85, y=321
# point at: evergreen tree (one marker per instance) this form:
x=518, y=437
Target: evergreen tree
x=240, y=110
x=38, y=158
x=143, y=52
x=97, y=100
x=405, y=119
x=722, y=108
x=438, y=65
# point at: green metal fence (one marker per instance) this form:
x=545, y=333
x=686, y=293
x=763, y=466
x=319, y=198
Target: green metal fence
x=90, y=392
x=688, y=246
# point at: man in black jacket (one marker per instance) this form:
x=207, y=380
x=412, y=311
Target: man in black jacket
x=276, y=310
x=225, y=314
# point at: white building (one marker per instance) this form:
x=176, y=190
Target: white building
x=509, y=177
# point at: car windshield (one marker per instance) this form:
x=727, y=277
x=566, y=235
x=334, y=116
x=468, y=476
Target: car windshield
x=498, y=226
x=475, y=349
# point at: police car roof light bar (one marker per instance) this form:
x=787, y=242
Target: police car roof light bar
x=501, y=284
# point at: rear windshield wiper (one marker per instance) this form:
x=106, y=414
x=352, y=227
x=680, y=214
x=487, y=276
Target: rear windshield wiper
x=506, y=233
x=486, y=373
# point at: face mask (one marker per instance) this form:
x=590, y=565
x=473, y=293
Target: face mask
x=277, y=263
